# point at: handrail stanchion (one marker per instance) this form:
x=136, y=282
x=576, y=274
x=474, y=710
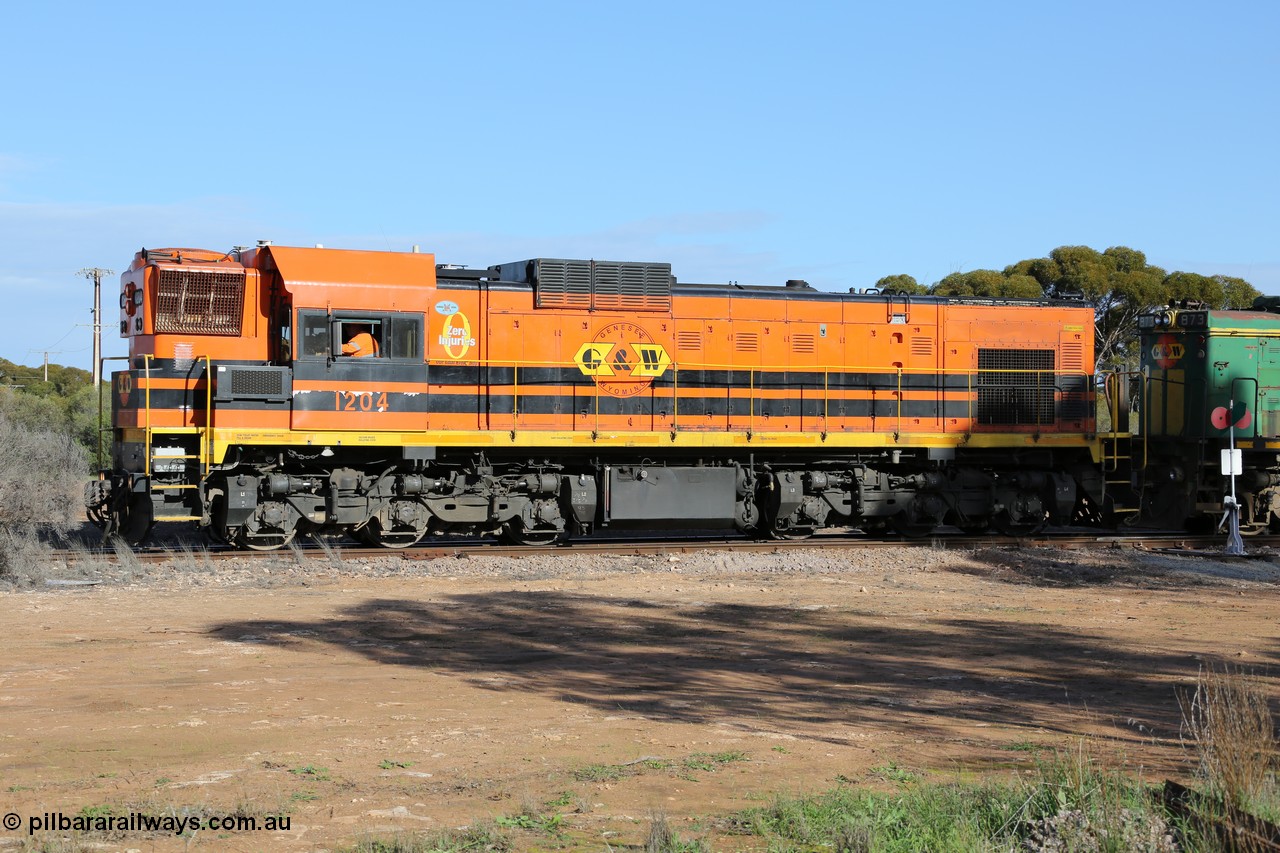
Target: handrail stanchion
x=102, y=405
x=675, y=397
x=826, y=402
x=146, y=456
x=206, y=439
x=898, y=431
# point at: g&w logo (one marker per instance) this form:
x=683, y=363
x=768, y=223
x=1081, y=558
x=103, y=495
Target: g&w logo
x=1167, y=351
x=623, y=359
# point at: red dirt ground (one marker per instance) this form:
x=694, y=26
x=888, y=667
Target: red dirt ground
x=374, y=699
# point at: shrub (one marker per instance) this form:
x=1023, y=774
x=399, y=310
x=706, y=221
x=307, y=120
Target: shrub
x=41, y=482
x=1230, y=721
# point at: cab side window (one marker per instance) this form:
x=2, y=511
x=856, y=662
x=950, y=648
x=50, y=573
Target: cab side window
x=405, y=338
x=313, y=335
x=394, y=336
x=361, y=338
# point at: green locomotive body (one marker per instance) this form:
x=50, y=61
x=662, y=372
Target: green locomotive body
x=1211, y=383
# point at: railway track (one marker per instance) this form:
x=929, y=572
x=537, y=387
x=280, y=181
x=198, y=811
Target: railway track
x=1168, y=542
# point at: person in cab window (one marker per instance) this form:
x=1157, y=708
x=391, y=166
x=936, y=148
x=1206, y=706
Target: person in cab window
x=361, y=343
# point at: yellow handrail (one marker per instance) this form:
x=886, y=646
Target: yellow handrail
x=206, y=435
x=146, y=435
x=734, y=392
x=826, y=402
x=111, y=427
x=675, y=397
x=898, y=431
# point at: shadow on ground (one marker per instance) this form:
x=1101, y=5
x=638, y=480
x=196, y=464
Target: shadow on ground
x=761, y=667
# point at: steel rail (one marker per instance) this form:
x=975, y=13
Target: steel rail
x=1169, y=542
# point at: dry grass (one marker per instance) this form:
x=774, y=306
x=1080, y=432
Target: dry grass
x=1230, y=723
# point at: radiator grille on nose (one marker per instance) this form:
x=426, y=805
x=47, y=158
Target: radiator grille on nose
x=1016, y=386
x=199, y=302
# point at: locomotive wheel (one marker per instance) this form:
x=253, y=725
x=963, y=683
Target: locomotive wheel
x=137, y=519
x=913, y=529
x=217, y=531
x=975, y=527
x=362, y=535
x=515, y=535
x=97, y=500
x=790, y=534
x=270, y=540
x=1002, y=522
x=403, y=537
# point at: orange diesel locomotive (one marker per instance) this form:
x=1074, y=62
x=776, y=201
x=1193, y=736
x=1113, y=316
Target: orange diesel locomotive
x=547, y=397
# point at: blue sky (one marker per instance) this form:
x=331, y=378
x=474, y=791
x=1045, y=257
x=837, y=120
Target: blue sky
x=756, y=142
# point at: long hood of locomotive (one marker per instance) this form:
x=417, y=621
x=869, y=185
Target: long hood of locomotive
x=487, y=363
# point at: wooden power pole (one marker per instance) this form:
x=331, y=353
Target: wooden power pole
x=96, y=273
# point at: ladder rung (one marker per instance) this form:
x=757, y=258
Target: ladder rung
x=156, y=488
x=1135, y=509
x=179, y=518
x=156, y=456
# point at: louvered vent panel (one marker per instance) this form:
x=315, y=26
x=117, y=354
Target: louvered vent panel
x=564, y=284
x=922, y=346
x=1072, y=357
x=199, y=303
x=746, y=342
x=597, y=285
x=803, y=344
x=631, y=287
x=688, y=341
x=606, y=287
x=1074, y=407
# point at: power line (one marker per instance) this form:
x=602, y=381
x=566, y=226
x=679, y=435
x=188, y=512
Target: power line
x=63, y=338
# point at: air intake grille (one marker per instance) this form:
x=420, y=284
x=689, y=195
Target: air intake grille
x=266, y=383
x=196, y=302
x=803, y=344
x=602, y=285
x=564, y=284
x=632, y=287
x=688, y=341
x=1015, y=387
x=257, y=383
x=747, y=342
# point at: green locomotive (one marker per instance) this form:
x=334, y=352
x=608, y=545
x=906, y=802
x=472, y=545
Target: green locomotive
x=1210, y=382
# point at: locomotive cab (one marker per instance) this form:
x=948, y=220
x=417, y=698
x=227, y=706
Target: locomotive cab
x=228, y=349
